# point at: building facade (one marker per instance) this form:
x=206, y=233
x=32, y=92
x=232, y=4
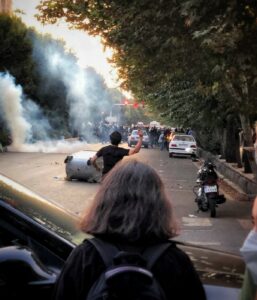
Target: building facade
x=5, y=6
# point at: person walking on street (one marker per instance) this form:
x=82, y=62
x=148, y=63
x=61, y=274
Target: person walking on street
x=161, y=141
x=133, y=212
x=113, y=153
x=167, y=135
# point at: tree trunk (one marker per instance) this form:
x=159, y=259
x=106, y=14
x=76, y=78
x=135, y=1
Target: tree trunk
x=217, y=135
x=238, y=153
x=246, y=126
x=224, y=143
x=232, y=144
x=247, y=142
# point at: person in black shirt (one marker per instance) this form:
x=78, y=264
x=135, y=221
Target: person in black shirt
x=113, y=153
x=130, y=209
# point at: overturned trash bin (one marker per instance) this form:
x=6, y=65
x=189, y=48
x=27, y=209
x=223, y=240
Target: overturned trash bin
x=77, y=167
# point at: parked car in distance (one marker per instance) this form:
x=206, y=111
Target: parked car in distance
x=37, y=236
x=134, y=137
x=182, y=145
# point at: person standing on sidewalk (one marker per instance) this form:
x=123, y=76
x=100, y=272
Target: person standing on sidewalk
x=255, y=142
x=113, y=153
x=249, y=253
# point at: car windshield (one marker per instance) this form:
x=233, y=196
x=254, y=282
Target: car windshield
x=135, y=132
x=184, y=138
x=40, y=210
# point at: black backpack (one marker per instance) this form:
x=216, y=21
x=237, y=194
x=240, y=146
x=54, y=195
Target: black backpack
x=128, y=274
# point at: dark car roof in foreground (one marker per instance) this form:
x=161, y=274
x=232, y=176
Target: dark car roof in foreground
x=215, y=267
x=41, y=210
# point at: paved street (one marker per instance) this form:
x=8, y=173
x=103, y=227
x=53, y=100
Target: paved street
x=45, y=174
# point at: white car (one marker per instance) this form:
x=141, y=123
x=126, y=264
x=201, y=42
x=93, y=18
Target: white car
x=134, y=137
x=182, y=145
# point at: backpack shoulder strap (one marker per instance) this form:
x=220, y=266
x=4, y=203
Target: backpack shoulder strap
x=106, y=250
x=152, y=253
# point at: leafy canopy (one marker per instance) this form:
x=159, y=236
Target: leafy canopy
x=187, y=59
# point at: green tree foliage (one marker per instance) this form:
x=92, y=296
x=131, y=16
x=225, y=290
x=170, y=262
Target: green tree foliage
x=16, y=59
x=227, y=30
x=30, y=58
x=191, y=60
x=16, y=51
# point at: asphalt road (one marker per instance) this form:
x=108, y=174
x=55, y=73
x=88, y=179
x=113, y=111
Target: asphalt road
x=44, y=173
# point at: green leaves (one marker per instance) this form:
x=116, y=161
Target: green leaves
x=183, y=57
x=16, y=51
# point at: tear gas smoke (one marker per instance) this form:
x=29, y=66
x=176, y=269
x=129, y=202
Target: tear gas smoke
x=40, y=125
x=22, y=116
x=26, y=121
x=87, y=95
x=60, y=146
x=12, y=110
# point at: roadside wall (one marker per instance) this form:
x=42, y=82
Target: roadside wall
x=247, y=185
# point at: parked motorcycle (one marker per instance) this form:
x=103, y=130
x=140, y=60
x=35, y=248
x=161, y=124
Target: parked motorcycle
x=207, y=189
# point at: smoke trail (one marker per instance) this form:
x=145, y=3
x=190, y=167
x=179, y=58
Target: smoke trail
x=27, y=123
x=87, y=95
x=85, y=92
x=11, y=106
x=40, y=125
x=58, y=146
x=25, y=120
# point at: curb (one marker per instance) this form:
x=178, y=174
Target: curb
x=230, y=189
x=237, y=180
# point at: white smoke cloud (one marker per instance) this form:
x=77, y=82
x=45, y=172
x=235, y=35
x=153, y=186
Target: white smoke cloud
x=39, y=123
x=58, y=146
x=24, y=119
x=26, y=122
x=12, y=110
x=87, y=95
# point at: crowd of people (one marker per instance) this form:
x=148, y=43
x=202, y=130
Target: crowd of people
x=159, y=137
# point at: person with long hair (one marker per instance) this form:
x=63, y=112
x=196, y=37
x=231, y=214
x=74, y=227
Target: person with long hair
x=130, y=210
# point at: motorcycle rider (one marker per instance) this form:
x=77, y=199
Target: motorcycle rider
x=207, y=194
x=207, y=172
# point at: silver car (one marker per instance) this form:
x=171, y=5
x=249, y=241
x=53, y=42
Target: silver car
x=134, y=137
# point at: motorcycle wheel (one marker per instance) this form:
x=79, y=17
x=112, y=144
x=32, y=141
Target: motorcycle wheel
x=203, y=203
x=212, y=206
x=203, y=207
